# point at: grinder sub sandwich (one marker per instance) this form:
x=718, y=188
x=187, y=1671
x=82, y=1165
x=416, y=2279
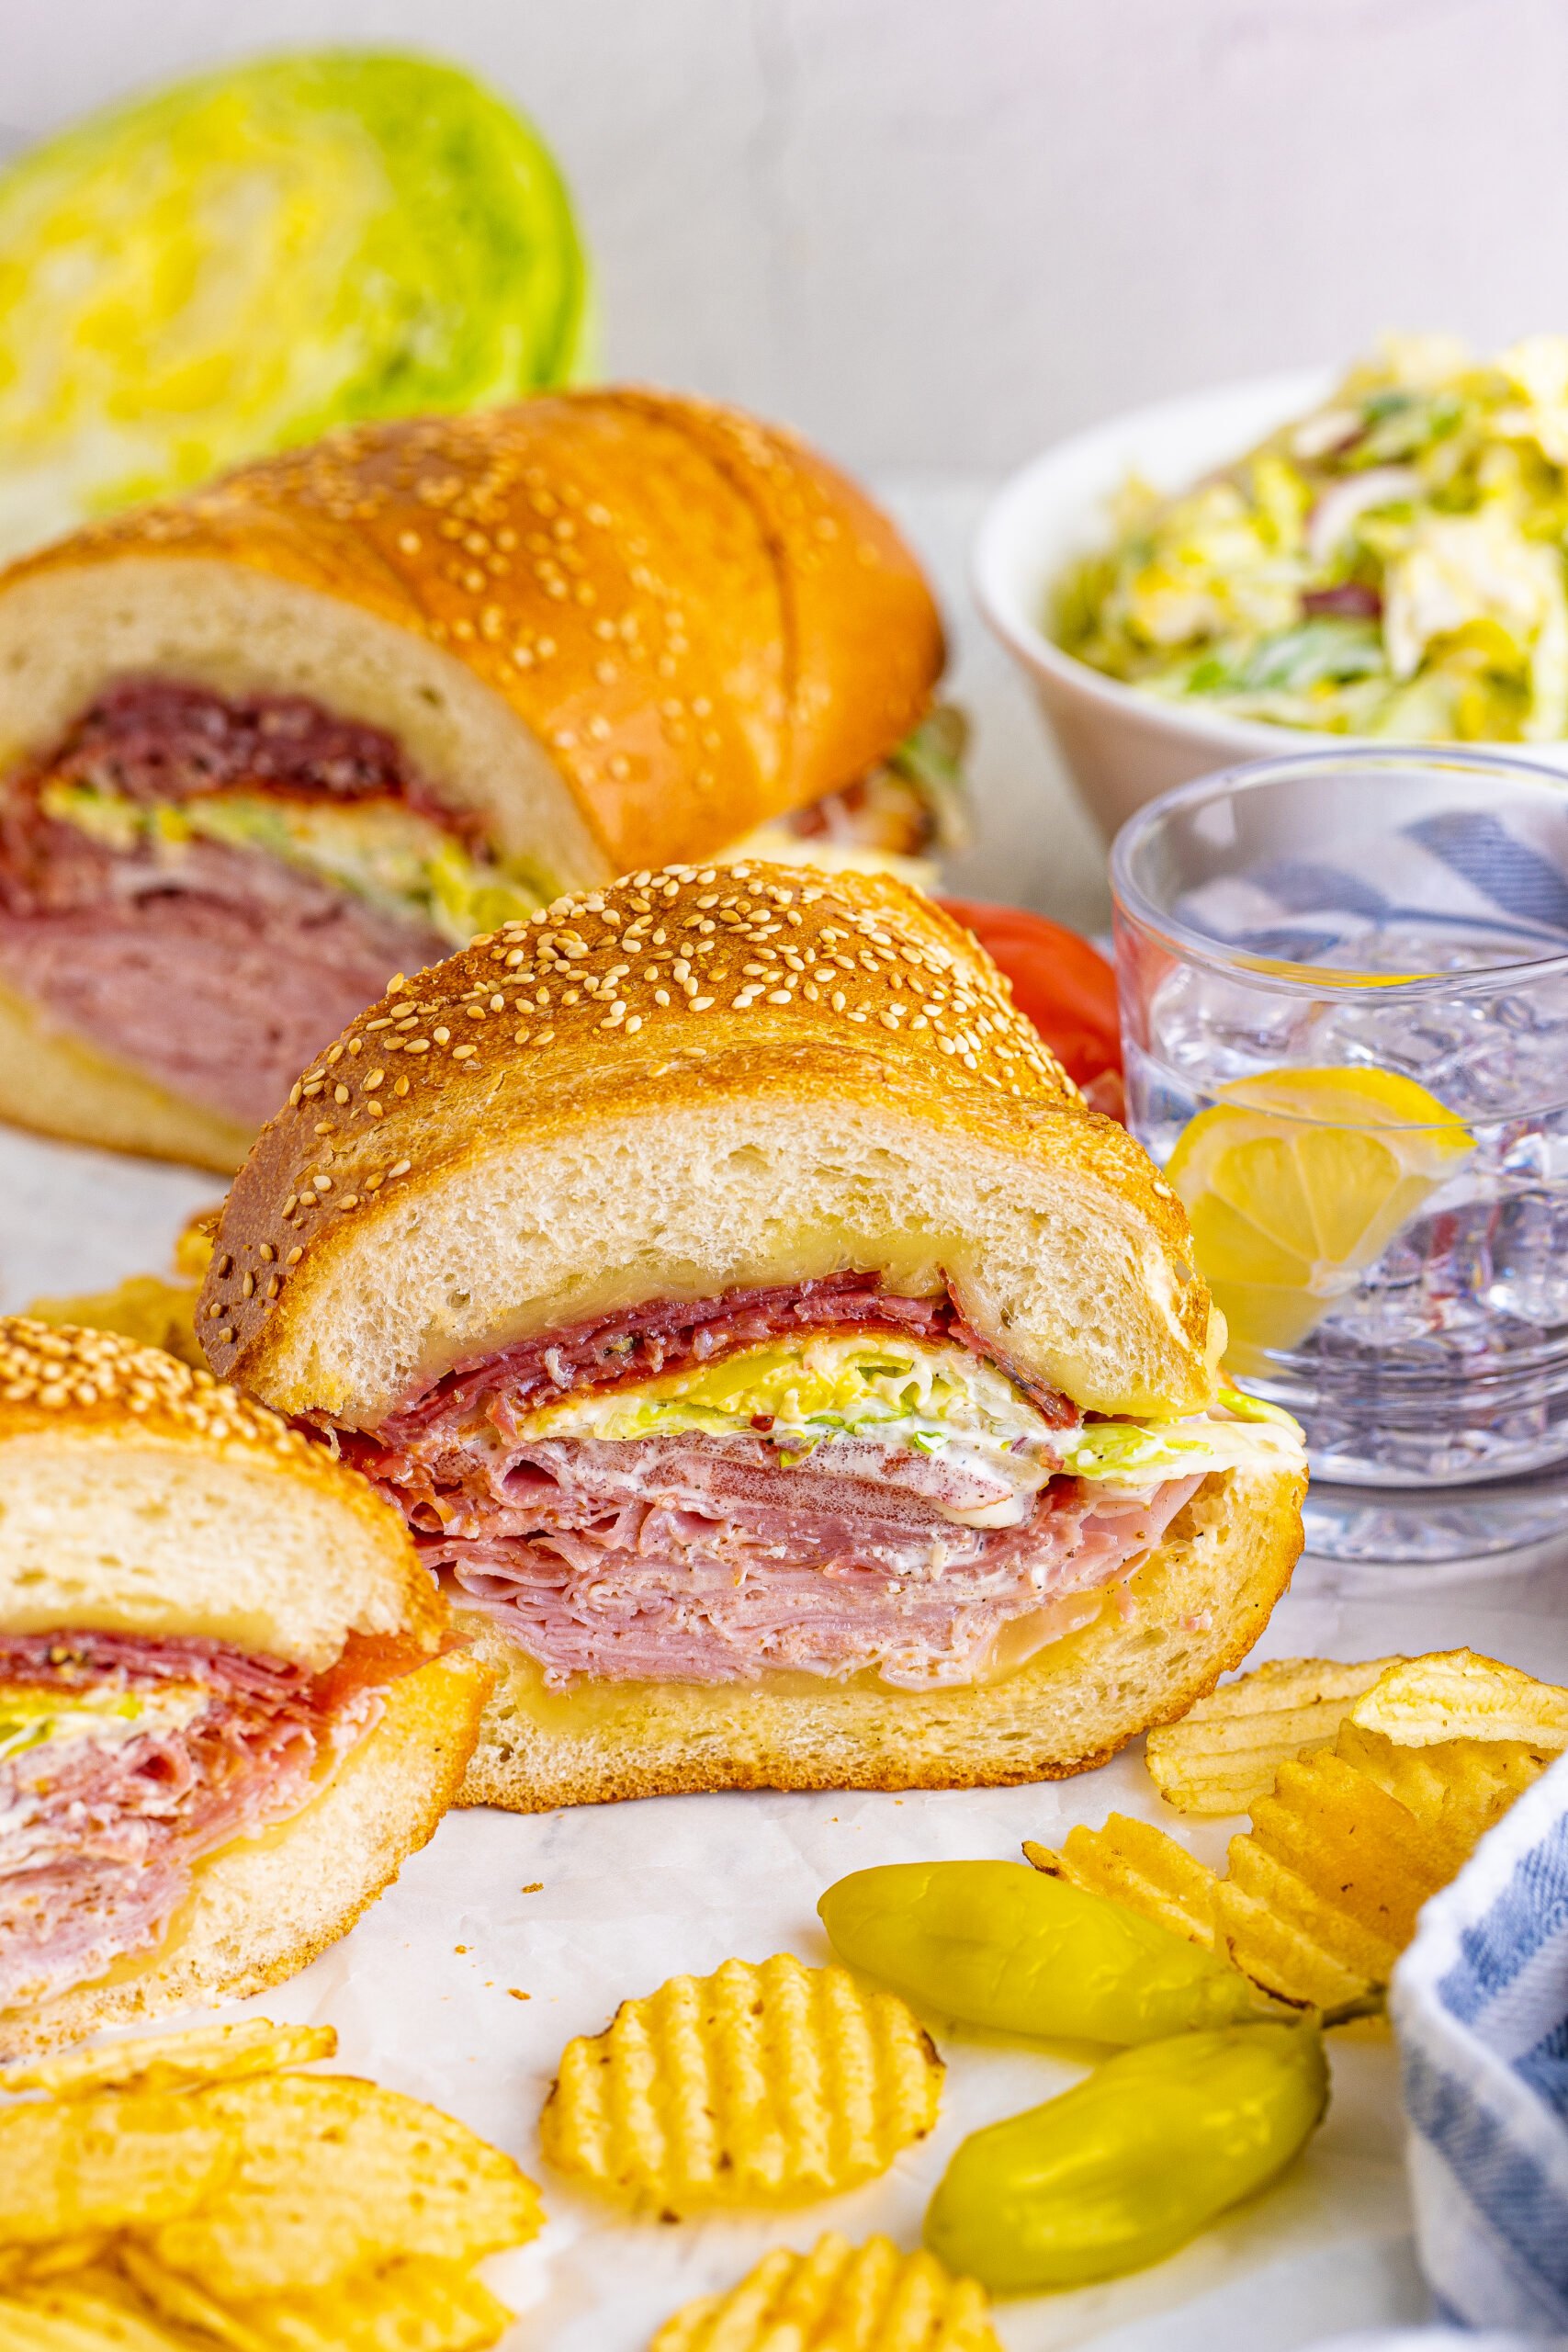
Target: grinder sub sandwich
x=265, y=746
x=229, y=1703
x=791, y=1378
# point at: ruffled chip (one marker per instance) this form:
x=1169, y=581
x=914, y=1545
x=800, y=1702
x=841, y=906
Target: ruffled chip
x=1428, y=1702
x=166, y=2062
x=1226, y=1751
x=1351, y=1835
x=838, y=2298
x=764, y=2083
x=80, y=2317
x=184, y=2189
x=334, y=2175
x=125, y=2159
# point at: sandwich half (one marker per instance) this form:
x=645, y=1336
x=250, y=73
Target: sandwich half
x=231, y=1704
x=263, y=748
x=792, y=1380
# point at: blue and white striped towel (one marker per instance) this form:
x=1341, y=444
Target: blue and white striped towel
x=1466, y=869
x=1480, y=2005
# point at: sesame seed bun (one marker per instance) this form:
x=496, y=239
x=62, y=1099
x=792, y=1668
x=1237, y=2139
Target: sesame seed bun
x=620, y=625
x=139, y=1498
x=693, y=1081
x=143, y=1498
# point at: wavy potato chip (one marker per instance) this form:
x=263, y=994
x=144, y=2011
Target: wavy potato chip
x=762, y=2083
x=80, y=2318
x=1355, y=1828
x=333, y=2175
x=167, y=2296
x=174, y=2061
x=1137, y=1864
x=838, y=2298
x=1457, y=1695
x=181, y=2190
x=417, y=2305
x=120, y=2161
x=1226, y=1751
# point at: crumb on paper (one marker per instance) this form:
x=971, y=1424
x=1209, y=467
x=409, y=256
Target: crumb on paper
x=460, y=1948
x=513, y=1995
x=535, y=1887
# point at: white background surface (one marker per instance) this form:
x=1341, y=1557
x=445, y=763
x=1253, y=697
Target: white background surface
x=936, y=233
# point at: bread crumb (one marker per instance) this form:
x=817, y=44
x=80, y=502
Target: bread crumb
x=535, y=1887
x=513, y=1995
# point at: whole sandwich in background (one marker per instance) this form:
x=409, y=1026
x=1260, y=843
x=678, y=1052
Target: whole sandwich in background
x=767, y=1350
x=229, y=1707
x=263, y=749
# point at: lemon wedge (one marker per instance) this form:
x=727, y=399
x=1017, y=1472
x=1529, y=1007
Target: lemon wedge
x=1296, y=1182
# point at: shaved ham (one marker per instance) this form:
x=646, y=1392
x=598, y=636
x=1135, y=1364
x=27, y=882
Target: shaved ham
x=719, y=1558
x=100, y=1833
x=217, y=972
x=698, y=1559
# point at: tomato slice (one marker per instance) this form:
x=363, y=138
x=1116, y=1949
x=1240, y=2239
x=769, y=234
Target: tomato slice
x=1062, y=983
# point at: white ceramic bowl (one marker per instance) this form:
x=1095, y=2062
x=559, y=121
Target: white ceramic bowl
x=1121, y=747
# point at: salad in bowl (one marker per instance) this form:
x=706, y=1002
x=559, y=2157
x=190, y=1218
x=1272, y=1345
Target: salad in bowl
x=1392, y=562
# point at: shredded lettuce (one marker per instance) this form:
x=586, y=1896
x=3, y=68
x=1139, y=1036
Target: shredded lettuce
x=390, y=855
x=1392, y=565
x=1247, y=1434
x=934, y=1397
x=236, y=263
x=35, y=1716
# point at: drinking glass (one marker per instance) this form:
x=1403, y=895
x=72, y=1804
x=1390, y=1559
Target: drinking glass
x=1343, y=989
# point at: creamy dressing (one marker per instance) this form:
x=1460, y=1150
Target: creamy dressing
x=990, y=1449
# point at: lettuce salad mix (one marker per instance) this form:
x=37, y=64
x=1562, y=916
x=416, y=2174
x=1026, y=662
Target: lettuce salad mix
x=1392, y=565
x=235, y=262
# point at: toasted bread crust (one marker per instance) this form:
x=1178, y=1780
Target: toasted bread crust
x=1227, y=1559
x=702, y=623
x=87, y=1393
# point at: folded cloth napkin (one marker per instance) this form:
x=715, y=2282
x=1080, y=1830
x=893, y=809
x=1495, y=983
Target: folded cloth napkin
x=1480, y=2005
x=1467, y=868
